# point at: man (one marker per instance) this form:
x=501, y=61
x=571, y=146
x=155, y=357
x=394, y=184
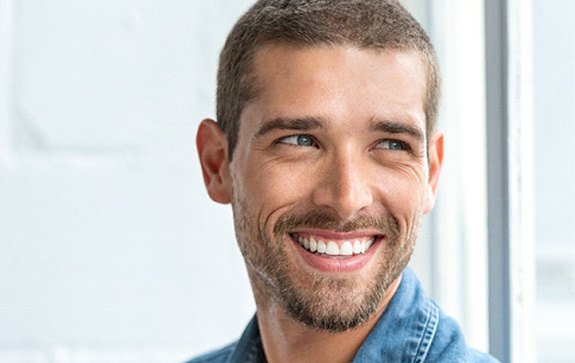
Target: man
x=327, y=150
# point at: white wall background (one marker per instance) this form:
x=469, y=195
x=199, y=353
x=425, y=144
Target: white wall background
x=554, y=128
x=110, y=250
x=108, y=242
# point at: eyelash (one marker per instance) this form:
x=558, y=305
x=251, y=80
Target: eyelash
x=403, y=146
x=399, y=145
x=311, y=139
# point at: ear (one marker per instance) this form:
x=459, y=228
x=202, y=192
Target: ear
x=213, y=152
x=435, y=162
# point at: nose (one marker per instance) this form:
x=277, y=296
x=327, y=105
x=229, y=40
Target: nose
x=344, y=186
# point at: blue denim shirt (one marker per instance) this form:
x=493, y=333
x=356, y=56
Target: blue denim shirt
x=412, y=329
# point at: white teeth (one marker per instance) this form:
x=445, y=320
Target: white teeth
x=347, y=248
x=357, y=247
x=312, y=245
x=332, y=249
x=369, y=243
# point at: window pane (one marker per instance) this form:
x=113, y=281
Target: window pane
x=554, y=129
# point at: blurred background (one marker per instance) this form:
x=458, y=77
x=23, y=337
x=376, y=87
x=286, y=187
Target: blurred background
x=111, y=251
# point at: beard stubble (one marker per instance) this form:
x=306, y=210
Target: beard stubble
x=326, y=302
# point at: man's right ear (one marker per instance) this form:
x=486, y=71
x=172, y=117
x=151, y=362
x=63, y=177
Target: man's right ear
x=213, y=152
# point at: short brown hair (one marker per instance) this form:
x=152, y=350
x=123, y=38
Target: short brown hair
x=376, y=24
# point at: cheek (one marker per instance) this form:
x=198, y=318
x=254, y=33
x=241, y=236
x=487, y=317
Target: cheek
x=270, y=189
x=405, y=190
x=405, y=202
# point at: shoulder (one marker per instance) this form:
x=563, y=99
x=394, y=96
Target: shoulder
x=414, y=329
x=247, y=348
x=217, y=356
x=449, y=345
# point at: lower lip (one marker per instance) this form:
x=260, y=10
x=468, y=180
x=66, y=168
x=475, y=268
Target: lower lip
x=327, y=263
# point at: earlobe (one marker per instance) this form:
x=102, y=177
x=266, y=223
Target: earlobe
x=435, y=163
x=213, y=152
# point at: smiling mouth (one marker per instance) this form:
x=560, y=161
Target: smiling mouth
x=322, y=246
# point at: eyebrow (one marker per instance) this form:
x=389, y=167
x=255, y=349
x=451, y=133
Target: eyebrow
x=311, y=123
x=394, y=127
x=282, y=123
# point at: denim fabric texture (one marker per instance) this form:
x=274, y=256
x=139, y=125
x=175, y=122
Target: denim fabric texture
x=413, y=329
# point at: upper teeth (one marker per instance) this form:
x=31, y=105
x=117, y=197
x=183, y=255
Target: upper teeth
x=347, y=248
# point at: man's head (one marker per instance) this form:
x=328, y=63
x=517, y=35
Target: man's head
x=335, y=157
x=382, y=24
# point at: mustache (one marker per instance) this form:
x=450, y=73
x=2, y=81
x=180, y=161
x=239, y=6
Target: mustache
x=386, y=224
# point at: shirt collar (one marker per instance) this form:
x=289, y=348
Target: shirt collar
x=409, y=321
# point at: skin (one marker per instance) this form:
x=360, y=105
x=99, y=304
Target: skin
x=334, y=147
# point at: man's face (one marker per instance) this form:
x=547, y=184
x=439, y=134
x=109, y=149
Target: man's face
x=330, y=177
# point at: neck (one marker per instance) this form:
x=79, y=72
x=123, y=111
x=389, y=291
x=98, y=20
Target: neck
x=287, y=340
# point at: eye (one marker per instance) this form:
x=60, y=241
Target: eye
x=298, y=140
x=391, y=144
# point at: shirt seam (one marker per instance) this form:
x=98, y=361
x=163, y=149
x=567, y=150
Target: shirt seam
x=428, y=333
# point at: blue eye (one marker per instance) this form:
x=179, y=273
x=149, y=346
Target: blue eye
x=393, y=145
x=298, y=140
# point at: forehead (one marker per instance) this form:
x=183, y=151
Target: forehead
x=338, y=82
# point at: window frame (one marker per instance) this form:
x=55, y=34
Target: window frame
x=509, y=58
